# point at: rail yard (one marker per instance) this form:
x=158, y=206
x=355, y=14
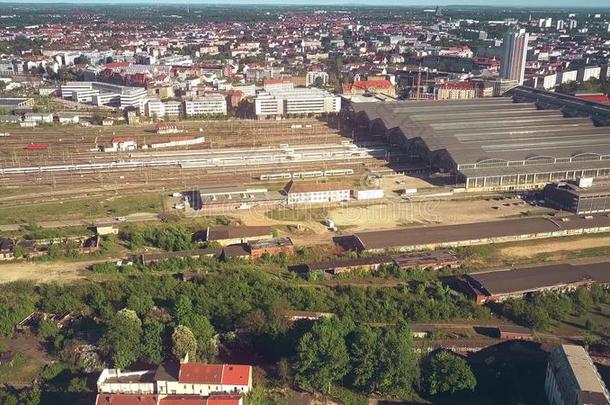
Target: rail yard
x=233, y=153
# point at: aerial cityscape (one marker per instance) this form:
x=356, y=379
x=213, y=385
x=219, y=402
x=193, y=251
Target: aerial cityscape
x=304, y=204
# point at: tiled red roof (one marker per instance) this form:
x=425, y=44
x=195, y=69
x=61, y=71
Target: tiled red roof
x=123, y=139
x=234, y=374
x=458, y=86
x=126, y=399
x=184, y=400
x=372, y=84
x=276, y=81
x=115, y=65
x=595, y=98
x=196, y=373
x=223, y=400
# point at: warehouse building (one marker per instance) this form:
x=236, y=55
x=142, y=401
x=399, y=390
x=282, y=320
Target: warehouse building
x=432, y=237
x=522, y=141
x=500, y=285
x=573, y=379
x=578, y=197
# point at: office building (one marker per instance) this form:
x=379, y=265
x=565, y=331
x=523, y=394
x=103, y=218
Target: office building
x=290, y=101
x=514, y=55
x=210, y=104
x=99, y=93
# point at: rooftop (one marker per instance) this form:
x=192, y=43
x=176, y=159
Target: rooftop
x=521, y=280
x=495, y=131
x=428, y=235
x=293, y=187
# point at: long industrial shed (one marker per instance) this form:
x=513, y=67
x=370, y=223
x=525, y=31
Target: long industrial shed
x=431, y=237
x=521, y=141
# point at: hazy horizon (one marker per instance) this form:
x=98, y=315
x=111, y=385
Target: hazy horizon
x=567, y=4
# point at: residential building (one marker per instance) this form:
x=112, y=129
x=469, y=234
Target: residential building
x=573, y=379
x=161, y=109
x=456, y=91
x=316, y=76
x=138, y=399
x=186, y=378
x=514, y=55
x=370, y=86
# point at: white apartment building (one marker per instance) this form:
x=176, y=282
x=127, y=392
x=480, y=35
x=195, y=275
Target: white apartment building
x=311, y=77
x=306, y=193
x=206, y=105
x=160, y=109
x=569, y=76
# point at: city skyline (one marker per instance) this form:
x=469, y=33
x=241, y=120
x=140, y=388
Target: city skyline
x=521, y=4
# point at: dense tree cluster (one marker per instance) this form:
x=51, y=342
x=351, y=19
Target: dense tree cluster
x=169, y=237
x=540, y=309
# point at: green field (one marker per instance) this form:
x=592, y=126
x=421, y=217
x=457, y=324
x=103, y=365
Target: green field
x=82, y=209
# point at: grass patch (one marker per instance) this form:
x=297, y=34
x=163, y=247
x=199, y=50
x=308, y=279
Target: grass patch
x=596, y=323
x=86, y=208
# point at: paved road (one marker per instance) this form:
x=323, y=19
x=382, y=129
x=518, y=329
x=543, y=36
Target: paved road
x=83, y=222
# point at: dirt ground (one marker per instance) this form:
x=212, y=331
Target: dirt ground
x=403, y=213
x=555, y=246
x=61, y=272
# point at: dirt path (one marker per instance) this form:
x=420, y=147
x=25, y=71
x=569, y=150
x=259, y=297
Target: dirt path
x=45, y=272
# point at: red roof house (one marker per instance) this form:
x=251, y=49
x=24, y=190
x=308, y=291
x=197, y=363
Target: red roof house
x=126, y=399
x=197, y=373
x=236, y=374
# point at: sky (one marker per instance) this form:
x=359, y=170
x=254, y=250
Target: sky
x=605, y=4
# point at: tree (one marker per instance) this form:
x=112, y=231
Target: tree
x=583, y=300
x=47, y=329
x=183, y=343
x=152, y=342
x=140, y=302
x=364, y=355
x=397, y=366
x=204, y=335
x=122, y=338
x=447, y=372
x=200, y=326
x=322, y=357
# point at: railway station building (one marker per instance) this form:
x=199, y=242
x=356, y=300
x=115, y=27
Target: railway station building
x=523, y=140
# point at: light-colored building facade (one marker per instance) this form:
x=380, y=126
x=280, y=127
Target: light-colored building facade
x=300, y=101
x=573, y=379
x=211, y=104
x=306, y=193
x=514, y=55
x=184, y=379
